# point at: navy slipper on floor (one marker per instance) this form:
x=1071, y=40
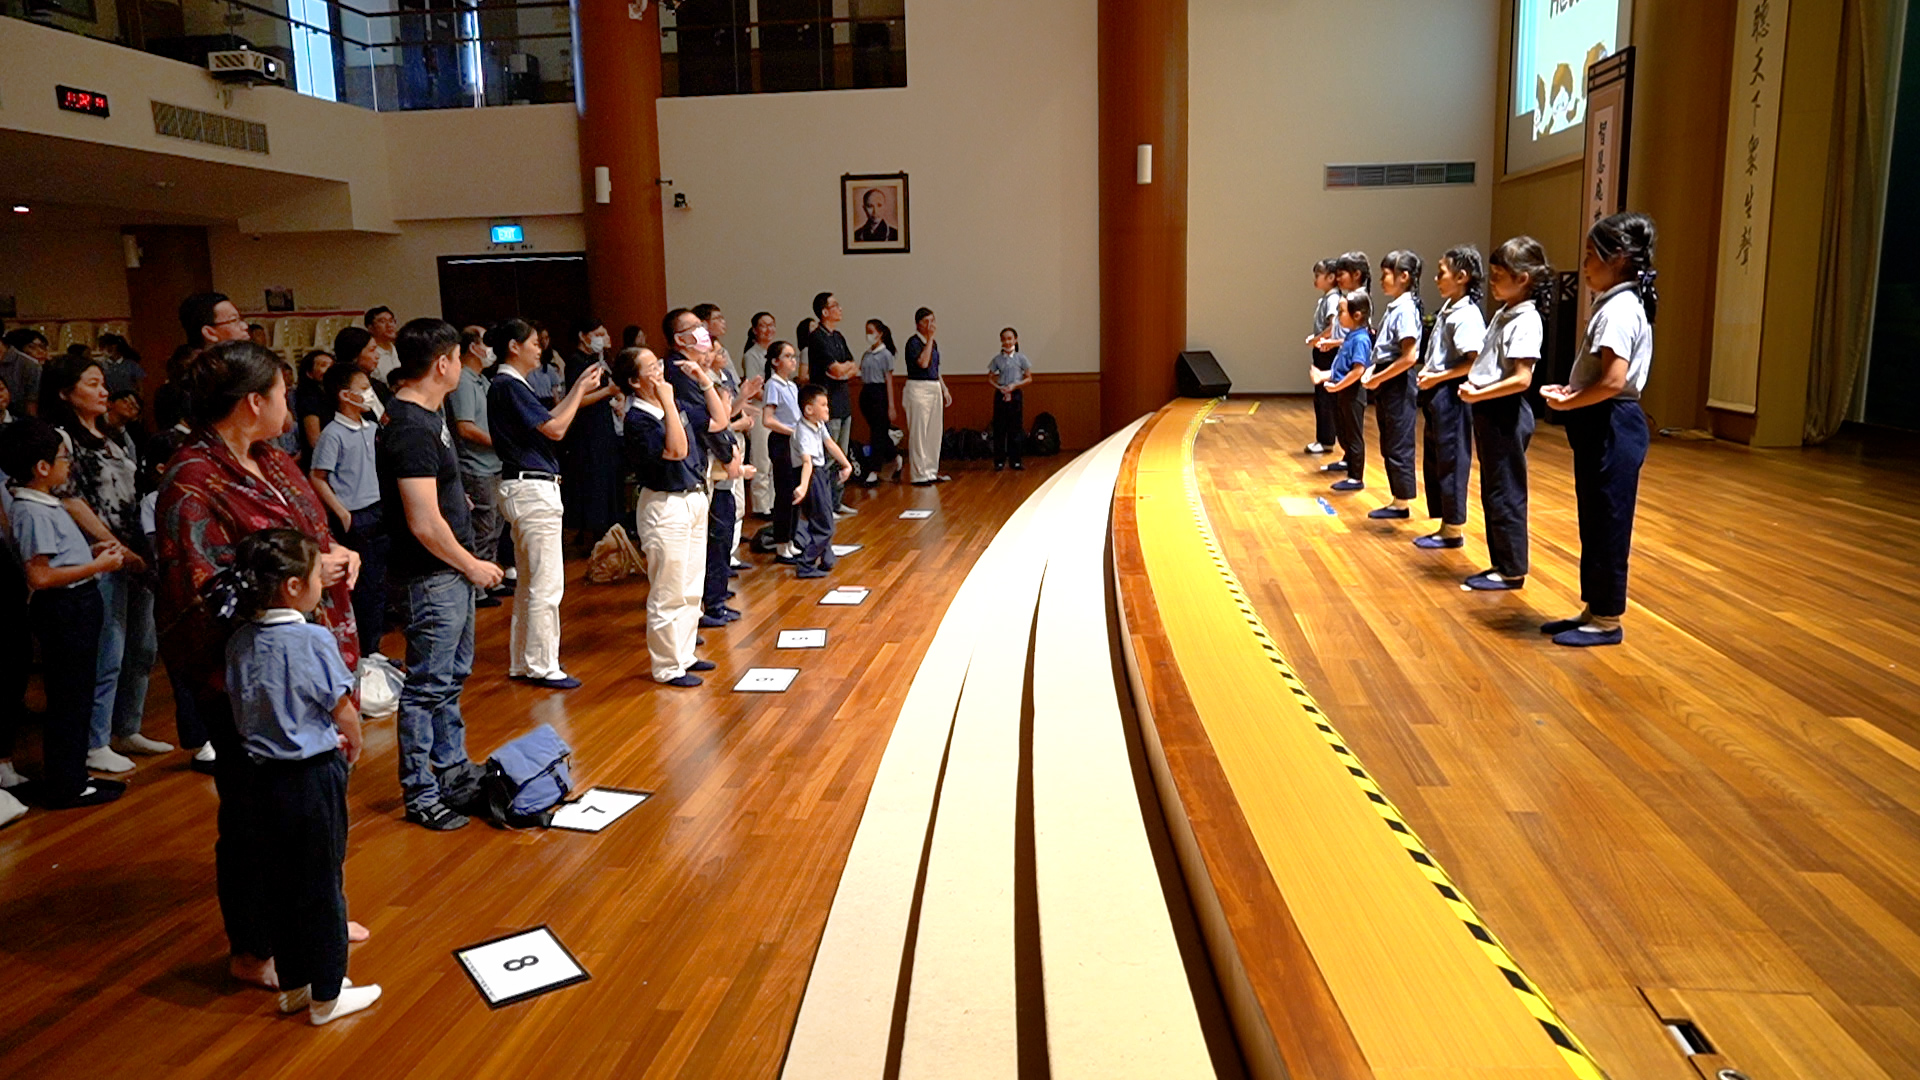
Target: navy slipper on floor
x=1581, y=638
x=1388, y=513
x=1437, y=542
x=1483, y=582
x=1349, y=485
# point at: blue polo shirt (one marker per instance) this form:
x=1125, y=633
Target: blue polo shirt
x=1354, y=352
x=345, y=454
x=645, y=435
x=286, y=676
x=514, y=416
x=785, y=399
x=41, y=526
x=915, y=346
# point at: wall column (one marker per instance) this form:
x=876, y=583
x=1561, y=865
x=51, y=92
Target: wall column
x=618, y=79
x=1143, y=227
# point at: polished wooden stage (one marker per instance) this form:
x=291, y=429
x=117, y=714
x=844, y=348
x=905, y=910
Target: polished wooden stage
x=1715, y=822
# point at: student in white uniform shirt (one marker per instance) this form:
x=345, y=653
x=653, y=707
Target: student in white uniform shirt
x=1324, y=342
x=1522, y=283
x=1605, y=427
x=1452, y=346
x=1396, y=348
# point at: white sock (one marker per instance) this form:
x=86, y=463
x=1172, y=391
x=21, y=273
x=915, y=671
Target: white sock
x=352, y=999
x=205, y=753
x=10, y=807
x=9, y=776
x=1597, y=624
x=292, y=1001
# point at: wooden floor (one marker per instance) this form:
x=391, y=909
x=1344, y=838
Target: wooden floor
x=1717, y=821
x=697, y=915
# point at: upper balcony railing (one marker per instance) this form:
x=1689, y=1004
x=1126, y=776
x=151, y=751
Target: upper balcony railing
x=773, y=46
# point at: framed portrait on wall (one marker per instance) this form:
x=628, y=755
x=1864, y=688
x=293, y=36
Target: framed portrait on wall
x=873, y=214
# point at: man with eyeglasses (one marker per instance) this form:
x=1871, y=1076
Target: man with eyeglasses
x=209, y=318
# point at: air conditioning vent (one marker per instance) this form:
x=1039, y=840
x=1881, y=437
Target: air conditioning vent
x=194, y=125
x=1401, y=174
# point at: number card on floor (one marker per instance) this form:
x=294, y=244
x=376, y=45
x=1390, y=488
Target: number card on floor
x=846, y=595
x=766, y=680
x=520, y=966
x=915, y=515
x=597, y=808
x=801, y=639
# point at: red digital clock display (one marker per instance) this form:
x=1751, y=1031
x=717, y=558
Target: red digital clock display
x=90, y=102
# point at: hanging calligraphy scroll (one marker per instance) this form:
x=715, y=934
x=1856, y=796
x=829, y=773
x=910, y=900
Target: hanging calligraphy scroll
x=1746, y=205
x=1609, y=138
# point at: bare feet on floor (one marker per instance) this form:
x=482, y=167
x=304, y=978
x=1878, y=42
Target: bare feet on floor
x=254, y=971
x=357, y=933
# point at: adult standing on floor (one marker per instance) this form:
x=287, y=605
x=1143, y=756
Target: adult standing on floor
x=927, y=399
x=385, y=328
x=831, y=365
x=20, y=368
x=473, y=442
x=226, y=481
x=526, y=435
x=103, y=496
x=592, y=459
x=425, y=507
x=753, y=361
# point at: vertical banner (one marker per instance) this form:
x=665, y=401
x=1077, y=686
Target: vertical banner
x=1746, y=204
x=1609, y=139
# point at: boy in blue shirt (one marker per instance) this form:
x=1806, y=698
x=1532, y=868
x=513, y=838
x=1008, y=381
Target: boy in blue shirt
x=65, y=609
x=813, y=525
x=1350, y=399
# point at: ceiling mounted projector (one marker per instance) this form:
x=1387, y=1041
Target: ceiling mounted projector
x=245, y=67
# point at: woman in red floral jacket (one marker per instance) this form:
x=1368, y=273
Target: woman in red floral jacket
x=229, y=480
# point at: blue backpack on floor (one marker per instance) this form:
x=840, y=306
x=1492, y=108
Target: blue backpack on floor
x=527, y=779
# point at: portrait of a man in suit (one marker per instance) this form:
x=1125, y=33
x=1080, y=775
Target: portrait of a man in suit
x=875, y=229
x=873, y=214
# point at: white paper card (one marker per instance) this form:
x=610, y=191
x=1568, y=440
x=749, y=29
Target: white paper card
x=596, y=809
x=843, y=550
x=524, y=965
x=915, y=515
x=801, y=639
x=767, y=680
x=846, y=595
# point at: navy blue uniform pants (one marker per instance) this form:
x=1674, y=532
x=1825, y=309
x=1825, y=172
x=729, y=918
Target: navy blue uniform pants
x=303, y=806
x=369, y=537
x=1009, y=427
x=1350, y=416
x=1325, y=428
x=786, y=477
x=813, y=524
x=720, y=509
x=242, y=854
x=1394, y=410
x=1447, y=459
x=1609, y=442
x=1502, y=428
x=67, y=622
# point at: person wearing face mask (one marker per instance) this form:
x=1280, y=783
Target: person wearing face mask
x=592, y=449
x=344, y=478
x=473, y=444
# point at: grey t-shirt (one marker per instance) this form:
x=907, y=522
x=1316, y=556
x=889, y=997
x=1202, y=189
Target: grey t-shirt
x=1619, y=322
x=468, y=402
x=1401, y=324
x=1459, y=330
x=1005, y=369
x=1514, y=334
x=876, y=365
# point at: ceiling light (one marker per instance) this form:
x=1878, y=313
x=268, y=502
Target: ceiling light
x=22, y=208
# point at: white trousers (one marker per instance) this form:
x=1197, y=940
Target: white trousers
x=673, y=538
x=533, y=509
x=925, y=421
x=762, y=462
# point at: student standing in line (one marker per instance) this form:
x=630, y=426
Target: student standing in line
x=1522, y=284
x=1351, y=272
x=65, y=611
x=926, y=398
x=1389, y=386
x=670, y=461
x=1323, y=343
x=1008, y=372
x=426, y=514
x=1343, y=381
x=781, y=415
x=813, y=525
x=1458, y=330
x=876, y=401
x=293, y=705
x=344, y=478
x=1605, y=426
x=526, y=434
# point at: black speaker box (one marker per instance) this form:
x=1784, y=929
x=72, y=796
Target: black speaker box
x=1198, y=375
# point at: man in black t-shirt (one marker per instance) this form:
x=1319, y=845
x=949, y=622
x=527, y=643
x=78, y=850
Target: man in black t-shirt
x=424, y=505
x=833, y=364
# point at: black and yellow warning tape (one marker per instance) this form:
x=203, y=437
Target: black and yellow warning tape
x=1571, y=1050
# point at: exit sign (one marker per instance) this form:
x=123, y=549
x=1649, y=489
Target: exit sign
x=71, y=99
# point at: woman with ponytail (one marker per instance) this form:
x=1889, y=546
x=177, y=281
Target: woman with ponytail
x=1605, y=427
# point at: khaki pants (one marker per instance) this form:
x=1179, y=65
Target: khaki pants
x=673, y=537
x=533, y=509
x=925, y=414
x=757, y=456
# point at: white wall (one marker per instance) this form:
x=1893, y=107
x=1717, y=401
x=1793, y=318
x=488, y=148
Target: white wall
x=354, y=271
x=64, y=273
x=1279, y=90
x=997, y=129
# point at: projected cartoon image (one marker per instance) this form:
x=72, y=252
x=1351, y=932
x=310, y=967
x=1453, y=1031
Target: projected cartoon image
x=1555, y=43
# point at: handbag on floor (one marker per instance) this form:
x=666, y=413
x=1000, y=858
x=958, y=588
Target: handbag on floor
x=379, y=683
x=614, y=558
x=527, y=779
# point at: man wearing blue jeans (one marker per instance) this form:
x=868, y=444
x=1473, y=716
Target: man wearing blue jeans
x=425, y=508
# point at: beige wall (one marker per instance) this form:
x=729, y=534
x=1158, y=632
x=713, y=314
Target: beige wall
x=1684, y=52
x=1276, y=92
x=64, y=273
x=997, y=129
x=469, y=163
x=355, y=271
